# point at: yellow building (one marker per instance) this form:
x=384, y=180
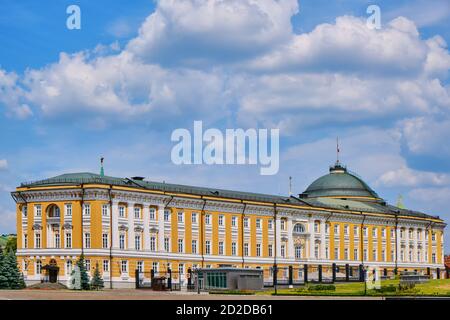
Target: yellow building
x=124, y=224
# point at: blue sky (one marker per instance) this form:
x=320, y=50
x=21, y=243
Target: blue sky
x=135, y=72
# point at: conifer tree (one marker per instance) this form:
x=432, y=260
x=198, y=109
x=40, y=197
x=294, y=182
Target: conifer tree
x=83, y=273
x=15, y=277
x=4, y=284
x=97, y=281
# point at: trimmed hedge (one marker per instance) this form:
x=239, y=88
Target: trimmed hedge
x=322, y=287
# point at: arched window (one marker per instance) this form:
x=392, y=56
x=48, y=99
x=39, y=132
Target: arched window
x=53, y=211
x=299, y=228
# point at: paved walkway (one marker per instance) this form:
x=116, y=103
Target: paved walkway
x=132, y=294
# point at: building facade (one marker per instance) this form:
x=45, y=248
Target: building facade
x=126, y=224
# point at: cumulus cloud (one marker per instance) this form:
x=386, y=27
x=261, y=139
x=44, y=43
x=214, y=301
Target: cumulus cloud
x=197, y=31
x=412, y=178
x=11, y=96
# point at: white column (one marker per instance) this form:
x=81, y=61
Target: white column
x=416, y=246
x=278, y=235
x=322, y=239
x=399, y=249
x=130, y=208
x=160, y=228
x=311, y=239
x=290, y=244
x=146, y=214
x=115, y=225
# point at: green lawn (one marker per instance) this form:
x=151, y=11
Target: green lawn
x=431, y=288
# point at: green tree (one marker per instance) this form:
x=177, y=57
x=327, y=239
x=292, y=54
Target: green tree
x=83, y=273
x=4, y=284
x=11, y=244
x=15, y=277
x=97, y=281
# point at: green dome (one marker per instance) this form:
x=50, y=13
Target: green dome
x=339, y=183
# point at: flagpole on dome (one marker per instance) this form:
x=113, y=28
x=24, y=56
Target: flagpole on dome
x=102, y=172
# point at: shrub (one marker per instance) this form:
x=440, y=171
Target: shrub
x=322, y=287
x=406, y=286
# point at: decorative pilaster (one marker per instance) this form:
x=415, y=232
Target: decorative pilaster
x=160, y=228
x=146, y=216
x=290, y=244
x=311, y=239
x=115, y=225
x=322, y=239
x=130, y=208
x=278, y=235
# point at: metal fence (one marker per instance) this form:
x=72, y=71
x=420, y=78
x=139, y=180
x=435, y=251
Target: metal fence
x=162, y=280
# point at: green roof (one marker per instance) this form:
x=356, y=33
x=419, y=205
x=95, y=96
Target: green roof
x=349, y=183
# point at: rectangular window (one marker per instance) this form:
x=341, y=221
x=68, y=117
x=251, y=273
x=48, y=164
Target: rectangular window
x=336, y=229
x=87, y=209
x=433, y=258
x=365, y=231
x=283, y=250
x=383, y=255
x=355, y=254
x=233, y=248
x=152, y=243
x=346, y=254
x=383, y=232
x=137, y=212
x=152, y=214
x=336, y=253
x=270, y=250
x=283, y=224
x=25, y=241
x=221, y=220
x=316, y=227
x=155, y=266
x=346, y=230
x=122, y=241
x=327, y=228
x=87, y=265
x=180, y=217
x=166, y=215
x=246, y=249
x=68, y=240
x=121, y=211
x=38, y=267
x=207, y=247
x=221, y=248
x=246, y=223
x=87, y=240
x=374, y=232
x=327, y=252
x=258, y=224
x=258, y=250
x=433, y=236
x=68, y=208
x=124, y=266
x=105, y=242
x=105, y=211
x=233, y=221
x=392, y=233
x=137, y=242
x=140, y=266
x=181, y=270
x=37, y=240
x=194, y=246
x=25, y=211
x=392, y=255
x=270, y=224
x=208, y=219
x=355, y=230
x=105, y=265
x=38, y=210
x=365, y=254
x=194, y=218
x=57, y=240
x=180, y=246
x=167, y=244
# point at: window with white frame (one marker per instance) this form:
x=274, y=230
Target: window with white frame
x=316, y=251
x=316, y=226
x=221, y=250
x=383, y=232
x=24, y=211
x=283, y=224
x=68, y=209
x=233, y=248
x=433, y=258
x=283, y=250
x=270, y=250
x=87, y=265
x=38, y=210
x=87, y=240
x=207, y=219
x=258, y=224
x=365, y=230
x=166, y=244
x=137, y=212
x=37, y=240
x=374, y=232
x=207, y=247
x=105, y=211
x=336, y=253
x=327, y=228
x=68, y=241
x=246, y=251
x=410, y=255
x=246, y=222
x=392, y=233
x=298, y=252
x=355, y=231
x=153, y=243
x=392, y=255
x=410, y=233
x=57, y=241
x=258, y=250
x=355, y=254
x=365, y=254
x=124, y=266
x=194, y=246
x=180, y=216
x=105, y=242
x=180, y=246
x=336, y=229
x=346, y=254
x=166, y=215
x=69, y=267
x=25, y=241
x=155, y=266
x=122, y=241
x=374, y=255
x=140, y=266
x=181, y=270
x=327, y=252
x=152, y=214
x=122, y=211
x=433, y=236
x=270, y=224
x=233, y=221
x=299, y=228
x=105, y=265
x=137, y=242
x=38, y=267
x=383, y=255
x=194, y=218
x=346, y=230
x=221, y=220
x=87, y=209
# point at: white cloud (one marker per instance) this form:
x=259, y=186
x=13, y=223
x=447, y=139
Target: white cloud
x=423, y=12
x=412, y=178
x=3, y=164
x=11, y=96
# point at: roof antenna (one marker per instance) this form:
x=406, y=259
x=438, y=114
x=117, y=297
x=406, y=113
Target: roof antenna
x=290, y=186
x=337, y=150
x=102, y=172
